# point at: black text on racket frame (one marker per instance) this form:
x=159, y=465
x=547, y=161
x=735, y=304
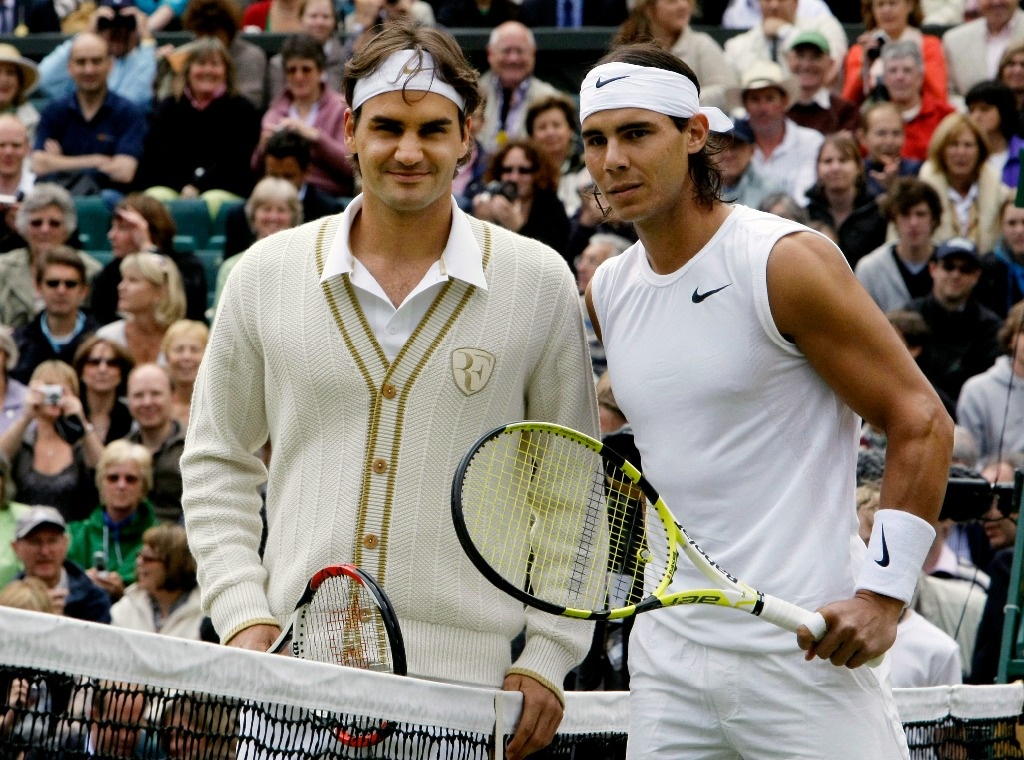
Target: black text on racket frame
x=343, y=617
x=500, y=478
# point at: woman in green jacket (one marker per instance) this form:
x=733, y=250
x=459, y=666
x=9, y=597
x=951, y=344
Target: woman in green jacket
x=107, y=541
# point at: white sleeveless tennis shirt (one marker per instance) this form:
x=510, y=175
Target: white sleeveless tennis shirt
x=750, y=448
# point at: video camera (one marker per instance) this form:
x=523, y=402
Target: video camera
x=969, y=499
x=117, y=22
x=509, y=189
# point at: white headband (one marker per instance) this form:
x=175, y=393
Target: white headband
x=626, y=85
x=405, y=70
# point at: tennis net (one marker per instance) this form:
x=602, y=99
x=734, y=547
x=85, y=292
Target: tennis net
x=72, y=689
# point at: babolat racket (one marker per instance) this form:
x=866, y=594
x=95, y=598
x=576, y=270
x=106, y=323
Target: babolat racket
x=344, y=617
x=564, y=524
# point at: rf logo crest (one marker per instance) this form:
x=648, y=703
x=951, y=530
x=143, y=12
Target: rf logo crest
x=471, y=369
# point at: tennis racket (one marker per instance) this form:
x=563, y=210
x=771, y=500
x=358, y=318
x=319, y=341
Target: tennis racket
x=344, y=617
x=564, y=524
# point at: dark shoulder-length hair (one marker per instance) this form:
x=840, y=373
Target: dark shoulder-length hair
x=705, y=175
x=122, y=358
x=545, y=176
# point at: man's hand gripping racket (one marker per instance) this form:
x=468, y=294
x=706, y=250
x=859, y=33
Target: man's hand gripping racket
x=561, y=522
x=344, y=617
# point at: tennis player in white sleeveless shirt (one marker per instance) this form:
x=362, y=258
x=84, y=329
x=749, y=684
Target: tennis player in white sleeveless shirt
x=753, y=447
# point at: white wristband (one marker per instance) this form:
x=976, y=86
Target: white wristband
x=899, y=543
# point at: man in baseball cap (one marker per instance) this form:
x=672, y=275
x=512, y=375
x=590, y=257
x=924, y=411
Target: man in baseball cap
x=963, y=338
x=41, y=545
x=815, y=107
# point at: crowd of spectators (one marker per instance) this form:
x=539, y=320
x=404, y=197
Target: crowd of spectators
x=900, y=145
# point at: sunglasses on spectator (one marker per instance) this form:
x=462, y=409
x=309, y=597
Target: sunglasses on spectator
x=517, y=170
x=104, y=361
x=51, y=223
x=113, y=477
x=69, y=284
x=964, y=267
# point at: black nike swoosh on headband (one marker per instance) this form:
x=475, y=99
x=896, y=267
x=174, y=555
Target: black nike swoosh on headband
x=602, y=82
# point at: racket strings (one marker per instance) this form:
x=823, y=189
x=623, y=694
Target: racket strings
x=551, y=519
x=343, y=625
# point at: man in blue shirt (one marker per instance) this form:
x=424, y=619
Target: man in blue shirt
x=89, y=140
x=126, y=31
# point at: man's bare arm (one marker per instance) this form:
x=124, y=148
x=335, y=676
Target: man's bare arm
x=818, y=303
x=44, y=162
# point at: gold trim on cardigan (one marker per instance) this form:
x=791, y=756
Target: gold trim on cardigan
x=389, y=385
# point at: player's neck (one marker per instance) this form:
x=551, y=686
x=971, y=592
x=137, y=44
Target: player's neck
x=673, y=238
x=401, y=236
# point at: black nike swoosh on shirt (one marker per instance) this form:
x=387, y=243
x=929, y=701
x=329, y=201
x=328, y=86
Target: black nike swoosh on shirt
x=698, y=297
x=602, y=82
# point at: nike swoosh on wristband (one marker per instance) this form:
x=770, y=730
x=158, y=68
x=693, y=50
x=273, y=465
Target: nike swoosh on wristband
x=698, y=297
x=602, y=82
x=884, y=561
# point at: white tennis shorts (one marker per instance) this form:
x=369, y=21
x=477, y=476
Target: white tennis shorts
x=689, y=701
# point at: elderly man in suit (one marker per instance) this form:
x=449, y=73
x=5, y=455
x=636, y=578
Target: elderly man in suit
x=973, y=49
x=509, y=86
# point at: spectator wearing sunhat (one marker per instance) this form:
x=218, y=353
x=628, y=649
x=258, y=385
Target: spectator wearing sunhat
x=741, y=182
x=815, y=107
x=784, y=152
x=41, y=544
x=18, y=79
x=963, y=335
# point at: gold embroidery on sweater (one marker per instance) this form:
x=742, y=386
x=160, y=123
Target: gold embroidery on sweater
x=383, y=391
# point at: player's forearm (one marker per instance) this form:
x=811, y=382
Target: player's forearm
x=919, y=448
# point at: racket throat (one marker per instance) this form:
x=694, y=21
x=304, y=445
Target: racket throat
x=651, y=602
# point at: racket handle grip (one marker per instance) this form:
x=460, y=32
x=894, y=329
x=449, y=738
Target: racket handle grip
x=791, y=617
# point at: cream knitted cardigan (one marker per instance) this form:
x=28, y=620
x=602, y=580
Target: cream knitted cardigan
x=364, y=451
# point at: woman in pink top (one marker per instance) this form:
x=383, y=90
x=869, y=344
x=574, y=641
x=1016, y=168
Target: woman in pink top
x=312, y=110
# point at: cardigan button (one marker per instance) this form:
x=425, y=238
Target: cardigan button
x=389, y=391
x=371, y=541
x=380, y=465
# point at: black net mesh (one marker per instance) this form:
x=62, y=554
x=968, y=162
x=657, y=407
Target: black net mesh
x=70, y=689
x=958, y=739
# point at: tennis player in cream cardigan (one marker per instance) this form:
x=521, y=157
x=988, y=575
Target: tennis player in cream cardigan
x=372, y=348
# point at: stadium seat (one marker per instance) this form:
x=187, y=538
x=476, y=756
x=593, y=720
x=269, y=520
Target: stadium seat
x=104, y=257
x=93, y=222
x=192, y=218
x=220, y=225
x=211, y=258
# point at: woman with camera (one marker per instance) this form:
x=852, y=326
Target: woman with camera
x=110, y=538
x=520, y=194
x=51, y=448
x=887, y=21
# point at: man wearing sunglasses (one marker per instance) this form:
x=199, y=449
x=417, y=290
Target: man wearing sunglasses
x=59, y=329
x=963, y=334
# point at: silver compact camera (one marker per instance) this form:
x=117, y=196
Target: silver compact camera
x=52, y=393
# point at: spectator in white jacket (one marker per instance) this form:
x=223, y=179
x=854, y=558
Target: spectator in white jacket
x=165, y=596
